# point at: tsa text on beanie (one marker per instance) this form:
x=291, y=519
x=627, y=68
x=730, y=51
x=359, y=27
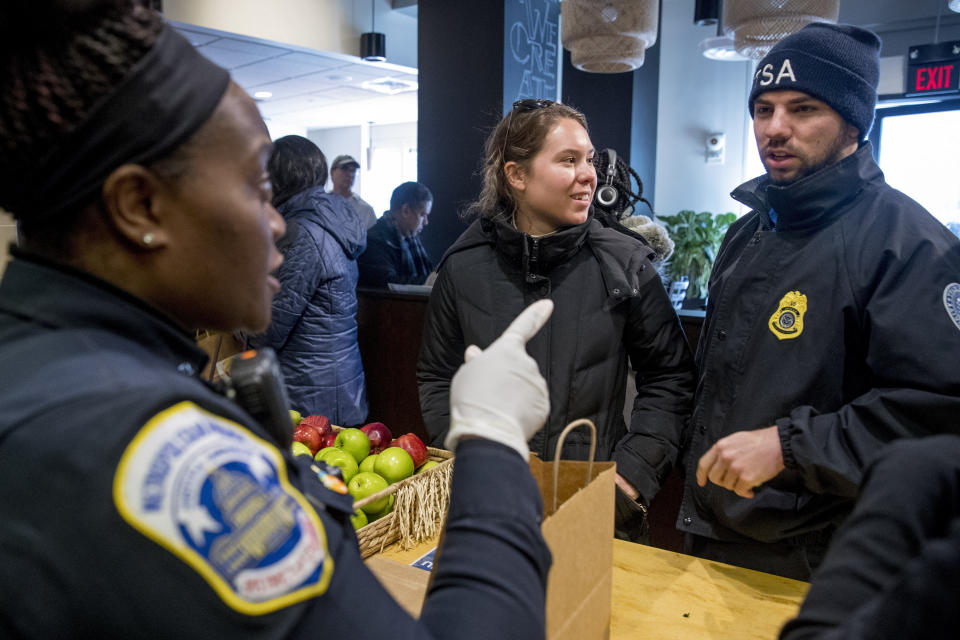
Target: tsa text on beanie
x=838, y=64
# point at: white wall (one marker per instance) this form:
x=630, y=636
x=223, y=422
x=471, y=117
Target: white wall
x=394, y=139
x=8, y=236
x=325, y=25
x=698, y=96
x=334, y=142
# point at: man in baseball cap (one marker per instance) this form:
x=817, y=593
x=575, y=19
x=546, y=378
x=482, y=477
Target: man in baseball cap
x=343, y=173
x=833, y=321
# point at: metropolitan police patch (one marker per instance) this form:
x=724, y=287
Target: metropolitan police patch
x=218, y=497
x=951, y=300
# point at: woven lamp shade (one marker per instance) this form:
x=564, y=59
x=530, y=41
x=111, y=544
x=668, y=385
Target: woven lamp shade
x=757, y=25
x=608, y=36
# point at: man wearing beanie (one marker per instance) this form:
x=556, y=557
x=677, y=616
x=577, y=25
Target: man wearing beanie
x=833, y=324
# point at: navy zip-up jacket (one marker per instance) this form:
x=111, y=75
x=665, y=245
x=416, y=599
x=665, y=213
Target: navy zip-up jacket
x=137, y=502
x=313, y=328
x=839, y=325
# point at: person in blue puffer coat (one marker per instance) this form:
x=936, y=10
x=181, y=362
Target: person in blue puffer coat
x=314, y=322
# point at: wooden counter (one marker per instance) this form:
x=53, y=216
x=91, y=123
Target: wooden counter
x=659, y=594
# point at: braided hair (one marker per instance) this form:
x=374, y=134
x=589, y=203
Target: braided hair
x=58, y=59
x=623, y=206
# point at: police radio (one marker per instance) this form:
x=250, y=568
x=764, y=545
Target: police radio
x=253, y=380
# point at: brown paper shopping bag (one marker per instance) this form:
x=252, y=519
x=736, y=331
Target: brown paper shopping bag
x=578, y=500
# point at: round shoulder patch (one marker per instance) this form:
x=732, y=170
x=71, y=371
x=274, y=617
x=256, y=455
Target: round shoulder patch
x=951, y=300
x=218, y=497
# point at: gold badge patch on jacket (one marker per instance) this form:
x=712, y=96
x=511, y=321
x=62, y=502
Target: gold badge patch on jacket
x=787, y=321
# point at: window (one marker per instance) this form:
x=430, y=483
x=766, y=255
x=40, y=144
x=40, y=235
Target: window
x=917, y=149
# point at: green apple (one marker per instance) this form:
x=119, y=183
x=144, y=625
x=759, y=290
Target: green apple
x=295, y=417
x=367, y=483
x=359, y=519
x=368, y=462
x=323, y=452
x=354, y=442
x=394, y=464
x=429, y=464
x=300, y=449
x=387, y=509
x=344, y=461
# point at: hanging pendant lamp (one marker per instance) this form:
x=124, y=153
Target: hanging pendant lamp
x=608, y=36
x=757, y=25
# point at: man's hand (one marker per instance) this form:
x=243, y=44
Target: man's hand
x=626, y=487
x=742, y=461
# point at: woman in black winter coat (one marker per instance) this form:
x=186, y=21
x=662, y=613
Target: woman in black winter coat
x=536, y=237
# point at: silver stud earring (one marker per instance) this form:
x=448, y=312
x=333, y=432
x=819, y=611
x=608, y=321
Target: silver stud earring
x=148, y=238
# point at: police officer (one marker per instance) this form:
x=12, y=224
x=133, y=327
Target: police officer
x=832, y=326
x=136, y=501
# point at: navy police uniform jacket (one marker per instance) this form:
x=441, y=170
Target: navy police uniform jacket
x=139, y=503
x=893, y=569
x=610, y=312
x=840, y=324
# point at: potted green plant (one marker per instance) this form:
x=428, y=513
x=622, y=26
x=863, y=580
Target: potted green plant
x=697, y=238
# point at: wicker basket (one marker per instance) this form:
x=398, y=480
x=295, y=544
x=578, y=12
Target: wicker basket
x=419, y=508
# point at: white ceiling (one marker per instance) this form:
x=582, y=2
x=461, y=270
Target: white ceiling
x=311, y=89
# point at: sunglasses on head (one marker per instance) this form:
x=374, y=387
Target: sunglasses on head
x=521, y=106
x=531, y=104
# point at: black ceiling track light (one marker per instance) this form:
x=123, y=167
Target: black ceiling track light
x=706, y=12
x=373, y=45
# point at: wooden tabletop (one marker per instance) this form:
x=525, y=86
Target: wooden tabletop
x=662, y=594
x=658, y=594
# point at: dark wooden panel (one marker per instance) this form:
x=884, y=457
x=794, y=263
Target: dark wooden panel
x=390, y=329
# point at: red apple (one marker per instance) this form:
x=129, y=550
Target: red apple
x=318, y=422
x=379, y=435
x=329, y=439
x=308, y=436
x=413, y=445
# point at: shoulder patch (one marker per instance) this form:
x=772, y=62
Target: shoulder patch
x=787, y=321
x=218, y=498
x=951, y=300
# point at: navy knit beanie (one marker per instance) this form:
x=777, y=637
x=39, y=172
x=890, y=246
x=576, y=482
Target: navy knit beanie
x=836, y=63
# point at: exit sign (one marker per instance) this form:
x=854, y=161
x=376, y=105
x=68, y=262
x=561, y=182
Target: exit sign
x=933, y=69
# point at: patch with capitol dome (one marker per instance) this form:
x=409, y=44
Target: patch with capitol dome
x=218, y=497
x=951, y=300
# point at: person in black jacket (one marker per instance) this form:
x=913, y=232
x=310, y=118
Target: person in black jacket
x=832, y=326
x=537, y=238
x=893, y=570
x=395, y=253
x=137, y=501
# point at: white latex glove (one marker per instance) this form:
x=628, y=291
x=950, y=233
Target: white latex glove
x=499, y=394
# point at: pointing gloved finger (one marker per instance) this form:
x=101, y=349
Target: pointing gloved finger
x=530, y=320
x=472, y=352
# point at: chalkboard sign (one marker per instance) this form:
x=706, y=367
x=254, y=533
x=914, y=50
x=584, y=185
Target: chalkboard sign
x=532, y=59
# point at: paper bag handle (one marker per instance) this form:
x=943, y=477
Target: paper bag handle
x=556, y=458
